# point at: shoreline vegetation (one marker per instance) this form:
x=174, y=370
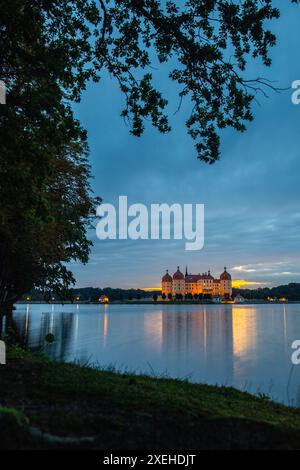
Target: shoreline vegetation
x=50, y=405
x=159, y=302
x=94, y=295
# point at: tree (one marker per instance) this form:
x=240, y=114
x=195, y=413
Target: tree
x=163, y=296
x=45, y=194
x=44, y=214
x=207, y=296
x=179, y=297
x=49, y=50
x=170, y=296
x=155, y=297
x=208, y=41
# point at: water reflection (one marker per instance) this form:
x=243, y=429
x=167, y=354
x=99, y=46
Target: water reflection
x=241, y=345
x=105, y=324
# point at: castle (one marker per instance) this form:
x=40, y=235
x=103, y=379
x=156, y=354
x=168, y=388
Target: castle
x=191, y=284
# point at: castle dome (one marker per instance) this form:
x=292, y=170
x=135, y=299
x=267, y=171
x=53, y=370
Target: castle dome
x=209, y=276
x=167, y=277
x=225, y=276
x=178, y=276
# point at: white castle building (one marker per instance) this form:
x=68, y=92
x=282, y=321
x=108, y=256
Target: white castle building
x=203, y=283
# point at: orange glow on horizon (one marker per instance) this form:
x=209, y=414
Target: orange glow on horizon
x=240, y=283
x=151, y=288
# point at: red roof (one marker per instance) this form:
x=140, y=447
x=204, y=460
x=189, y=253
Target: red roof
x=167, y=277
x=193, y=277
x=178, y=276
x=225, y=276
x=196, y=277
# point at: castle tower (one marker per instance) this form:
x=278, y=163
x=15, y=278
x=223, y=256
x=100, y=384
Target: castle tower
x=166, y=284
x=225, y=284
x=178, y=282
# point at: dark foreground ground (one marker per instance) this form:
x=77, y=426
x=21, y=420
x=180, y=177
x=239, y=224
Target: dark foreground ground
x=51, y=405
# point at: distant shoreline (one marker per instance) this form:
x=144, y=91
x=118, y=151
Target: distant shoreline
x=144, y=302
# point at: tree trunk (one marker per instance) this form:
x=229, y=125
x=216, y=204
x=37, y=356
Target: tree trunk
x=8, y=295
x=7, y=300
x=1, y=325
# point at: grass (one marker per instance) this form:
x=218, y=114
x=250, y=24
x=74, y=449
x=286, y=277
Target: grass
x=45, y=404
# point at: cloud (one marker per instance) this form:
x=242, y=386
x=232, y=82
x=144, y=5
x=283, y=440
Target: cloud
x=243, y=269
x=286, y=273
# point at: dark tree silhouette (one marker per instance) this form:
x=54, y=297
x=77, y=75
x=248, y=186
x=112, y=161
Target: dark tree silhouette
x=207, y=45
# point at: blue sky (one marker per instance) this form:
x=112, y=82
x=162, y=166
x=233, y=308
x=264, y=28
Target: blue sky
x=251, y=196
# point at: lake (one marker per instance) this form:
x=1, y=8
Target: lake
x=246, y=346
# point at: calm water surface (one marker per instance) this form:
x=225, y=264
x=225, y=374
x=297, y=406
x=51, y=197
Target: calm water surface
x=247, y=346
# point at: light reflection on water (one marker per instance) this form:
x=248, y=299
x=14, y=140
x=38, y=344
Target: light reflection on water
x=247, y=346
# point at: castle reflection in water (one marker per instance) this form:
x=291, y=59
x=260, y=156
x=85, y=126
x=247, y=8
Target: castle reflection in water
x=247, y=346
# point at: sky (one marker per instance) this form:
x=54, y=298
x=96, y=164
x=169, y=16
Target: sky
x=251, y=195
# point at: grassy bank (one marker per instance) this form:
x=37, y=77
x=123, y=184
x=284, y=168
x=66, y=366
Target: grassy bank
x=52, y=405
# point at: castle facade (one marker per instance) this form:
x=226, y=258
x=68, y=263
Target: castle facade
x=191, y=284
